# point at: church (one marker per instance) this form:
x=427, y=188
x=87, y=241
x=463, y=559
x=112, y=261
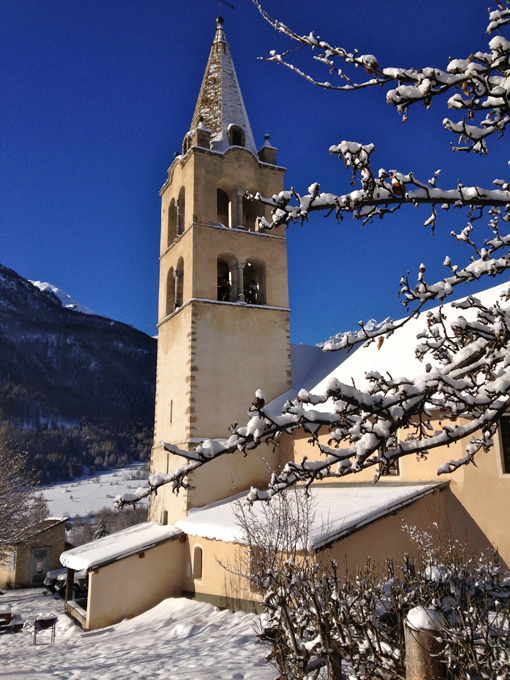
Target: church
x=223, y=326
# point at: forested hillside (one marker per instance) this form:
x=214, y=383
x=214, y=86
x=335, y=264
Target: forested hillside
x=75, y=389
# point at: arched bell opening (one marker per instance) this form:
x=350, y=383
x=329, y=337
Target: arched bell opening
x=223, y=207
x=179, y=283
x=172, y=222
x=254, y=283
x=181, y=204
x=252, y=210
x=226, y=278
x=236, y=135
x=170, y=292
x=186, y=144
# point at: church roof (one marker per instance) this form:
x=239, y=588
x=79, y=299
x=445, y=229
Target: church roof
x=336, y=511
x=313, y=369
x=220, y=102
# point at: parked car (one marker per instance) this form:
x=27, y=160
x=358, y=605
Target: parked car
x=56, y=581
x=50, y=580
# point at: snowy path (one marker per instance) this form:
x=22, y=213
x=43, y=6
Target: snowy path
x=177, y=640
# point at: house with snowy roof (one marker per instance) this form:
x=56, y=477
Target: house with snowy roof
x=224, y=333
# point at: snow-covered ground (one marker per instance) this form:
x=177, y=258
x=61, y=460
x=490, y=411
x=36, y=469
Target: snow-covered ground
x=179, y=640
x=91, y=494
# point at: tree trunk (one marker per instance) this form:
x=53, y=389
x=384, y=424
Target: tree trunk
x=423, y=655
x=335, y=667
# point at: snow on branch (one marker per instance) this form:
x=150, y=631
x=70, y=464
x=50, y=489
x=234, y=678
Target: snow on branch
x=477, y=84
x=380, y=193
x=466, y=382
x=464, y=387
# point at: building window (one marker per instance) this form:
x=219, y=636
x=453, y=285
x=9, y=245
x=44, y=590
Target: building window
x=170, y=292
x=179, y=283
x=223, y=208
x=186, y=144
x=226, y=285
x=393, y=469
x=254, y=283
x=252, y=210
x=504, y=425
x=236, y=135
x=181, y=204
x=197, y=562
x=12, y=561
x=172, y=222
x=224, y=282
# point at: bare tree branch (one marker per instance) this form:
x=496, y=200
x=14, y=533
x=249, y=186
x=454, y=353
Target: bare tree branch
x=22, y=509
x=464, y=387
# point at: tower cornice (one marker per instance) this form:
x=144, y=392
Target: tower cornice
x=183, y=159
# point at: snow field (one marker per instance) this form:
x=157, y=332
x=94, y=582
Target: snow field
x=179, y=639
x=91, y=494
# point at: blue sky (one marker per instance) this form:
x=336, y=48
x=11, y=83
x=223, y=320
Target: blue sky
x=96, y=95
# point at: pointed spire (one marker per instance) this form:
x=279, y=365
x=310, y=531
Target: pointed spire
x=220, y=102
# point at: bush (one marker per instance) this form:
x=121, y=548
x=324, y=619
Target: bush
x=321, y=619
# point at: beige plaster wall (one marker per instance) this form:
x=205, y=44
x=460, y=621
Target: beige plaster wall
x=378, y=541
x=236, y=350
x=219, y=479
x=202, y=171
x=209, y=366
x=166, y=505
x=131, y=586
x=230, y=474
x=53, y=537
x=479, y=497
x=7, y=576
x=216, y=579
x=173, y=379
x=385, y=538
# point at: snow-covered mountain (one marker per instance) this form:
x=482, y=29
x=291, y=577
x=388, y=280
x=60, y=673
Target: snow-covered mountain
x=73, y=365
x=67, y=301
x=78, y=388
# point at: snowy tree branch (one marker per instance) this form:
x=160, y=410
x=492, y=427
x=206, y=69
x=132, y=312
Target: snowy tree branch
x=379, y=194
x=477, y=84
x=464, y=387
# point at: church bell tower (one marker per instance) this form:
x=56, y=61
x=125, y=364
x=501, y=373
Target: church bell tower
x=223, y=293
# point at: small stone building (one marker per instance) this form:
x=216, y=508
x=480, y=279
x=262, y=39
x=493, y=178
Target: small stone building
x=27, y=564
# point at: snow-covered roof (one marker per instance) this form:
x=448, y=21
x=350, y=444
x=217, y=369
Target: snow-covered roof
x=309, y=366
x=337, y=511
x=117, y=546
x=51, y=522
x=220, y=102
x=313, y=369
